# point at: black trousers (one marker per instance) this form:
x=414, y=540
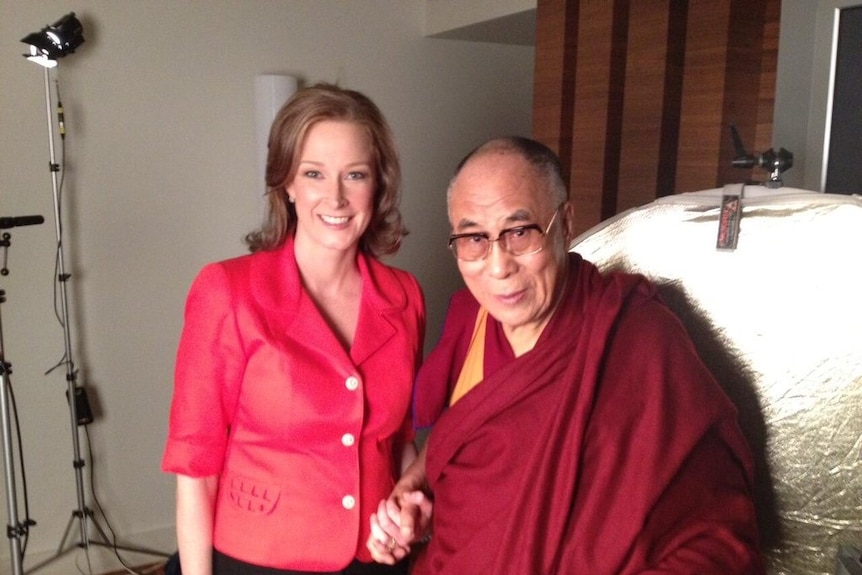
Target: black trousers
x=225, y=565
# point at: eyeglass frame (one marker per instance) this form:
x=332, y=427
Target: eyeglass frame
x=504, y=233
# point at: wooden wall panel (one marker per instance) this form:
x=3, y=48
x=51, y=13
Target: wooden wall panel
x=702, y=113
x=554, y=77
x=643, y=109
x=594, y=106
x=742, y=85
x=672, y=96
x=637, y=97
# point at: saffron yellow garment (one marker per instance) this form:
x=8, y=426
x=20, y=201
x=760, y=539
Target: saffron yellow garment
x=473, y=370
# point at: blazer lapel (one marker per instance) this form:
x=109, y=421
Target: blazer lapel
x=382, y=296
x=293, y=312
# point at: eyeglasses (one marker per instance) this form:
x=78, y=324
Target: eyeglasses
x=519, y=241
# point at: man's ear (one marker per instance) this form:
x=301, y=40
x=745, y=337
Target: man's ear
x=567, y=212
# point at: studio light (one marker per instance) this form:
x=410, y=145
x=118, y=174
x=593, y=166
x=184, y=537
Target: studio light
x=55, y=41
x=46, y=47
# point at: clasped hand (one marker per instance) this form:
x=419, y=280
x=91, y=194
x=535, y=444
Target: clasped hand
x=401, y=520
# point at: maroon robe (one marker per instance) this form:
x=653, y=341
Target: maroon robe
x=607, y=449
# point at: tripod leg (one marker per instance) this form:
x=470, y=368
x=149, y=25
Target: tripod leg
x=106, y=542
x=14, y=528
x=60, y=550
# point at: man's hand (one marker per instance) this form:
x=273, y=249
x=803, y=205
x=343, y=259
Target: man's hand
x=402, y=519
x=399, y=522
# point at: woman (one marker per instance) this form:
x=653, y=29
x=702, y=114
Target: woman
x=290, y=420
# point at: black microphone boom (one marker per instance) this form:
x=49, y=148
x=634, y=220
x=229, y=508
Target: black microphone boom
x=18, y=221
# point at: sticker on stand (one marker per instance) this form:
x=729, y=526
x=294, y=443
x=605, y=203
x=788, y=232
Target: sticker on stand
x=728, y=222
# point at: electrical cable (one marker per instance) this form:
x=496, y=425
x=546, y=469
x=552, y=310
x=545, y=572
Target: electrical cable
x=61, y=168
x=101, y=510
x=82, y=514
x=27, y=522
x=66, y=360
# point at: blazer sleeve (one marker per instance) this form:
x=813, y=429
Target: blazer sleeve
x=209, y=366
x=417, y=313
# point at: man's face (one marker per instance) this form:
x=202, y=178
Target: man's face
x=495, y=191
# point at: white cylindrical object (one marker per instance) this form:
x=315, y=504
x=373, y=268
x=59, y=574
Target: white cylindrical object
x=271, y=91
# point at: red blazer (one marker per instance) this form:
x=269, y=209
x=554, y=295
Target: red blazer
x=301, y=433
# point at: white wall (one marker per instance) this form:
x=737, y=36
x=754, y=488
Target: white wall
x=802, y=89
x=160, y=178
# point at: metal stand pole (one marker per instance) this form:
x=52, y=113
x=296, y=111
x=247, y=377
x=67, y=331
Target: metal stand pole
x=82, y=514
x=14, y=530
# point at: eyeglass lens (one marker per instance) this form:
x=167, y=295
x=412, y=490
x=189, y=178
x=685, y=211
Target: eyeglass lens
x=517, y=241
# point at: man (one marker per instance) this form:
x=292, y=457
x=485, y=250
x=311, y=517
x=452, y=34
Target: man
x=575, y=430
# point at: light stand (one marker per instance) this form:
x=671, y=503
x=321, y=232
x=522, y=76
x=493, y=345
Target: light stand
x=53, y=42
x=14, y=529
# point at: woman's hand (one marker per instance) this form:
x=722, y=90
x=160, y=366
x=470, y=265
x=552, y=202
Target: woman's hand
x=399, y=522
x=402, y=519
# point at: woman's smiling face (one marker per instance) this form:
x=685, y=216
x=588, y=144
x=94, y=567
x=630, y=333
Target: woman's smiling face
x=333, y=190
